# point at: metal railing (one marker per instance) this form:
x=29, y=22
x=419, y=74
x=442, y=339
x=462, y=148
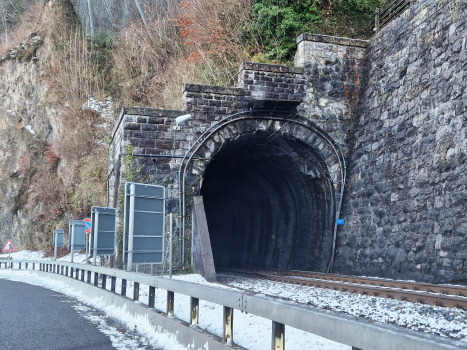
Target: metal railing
x=353, y=331
x=385, y=15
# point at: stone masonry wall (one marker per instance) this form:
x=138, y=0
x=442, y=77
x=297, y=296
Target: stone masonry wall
x=407, y=191
x=331, y=70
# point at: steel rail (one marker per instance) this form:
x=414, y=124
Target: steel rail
x=410, y=285
x=424, y=293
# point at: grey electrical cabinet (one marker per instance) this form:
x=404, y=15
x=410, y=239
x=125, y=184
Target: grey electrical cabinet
x=103, y=232
x=76, y=230
x=58, y=235
x=144, y=224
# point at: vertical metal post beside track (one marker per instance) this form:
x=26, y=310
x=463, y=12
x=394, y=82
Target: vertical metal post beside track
x=194, y=311
x=227, y=329
x=278, y=336
x=170, y=303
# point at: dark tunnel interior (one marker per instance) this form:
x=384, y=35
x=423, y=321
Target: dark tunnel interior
x=269, y=204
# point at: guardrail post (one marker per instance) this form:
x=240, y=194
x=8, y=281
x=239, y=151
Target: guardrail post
x=104, y=281
x=66, y=270
x=33, y=266
x=26, y=266
x=170, y=303
x=96, y=279
x=72, y=272
x=135, y=291
x=113, y=282
x=19, y=266
x=77, y=274
x=123, y=291
x=278, y=336
x=194, y=311
x=152, y=296
x=227, y=329
x=82, y=274
x=88, y=277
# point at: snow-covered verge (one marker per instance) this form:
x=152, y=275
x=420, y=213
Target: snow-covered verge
x=441, y=321
x=250, y=331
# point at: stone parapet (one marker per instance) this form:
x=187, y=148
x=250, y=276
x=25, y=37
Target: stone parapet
x=271, y=81
x=210, y=103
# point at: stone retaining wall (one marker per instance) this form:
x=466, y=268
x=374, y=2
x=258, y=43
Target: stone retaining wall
x=407, y=190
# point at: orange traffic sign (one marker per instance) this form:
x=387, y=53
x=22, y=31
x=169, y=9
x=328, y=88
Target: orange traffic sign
x=9, y=247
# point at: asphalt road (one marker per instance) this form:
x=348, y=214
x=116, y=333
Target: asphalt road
x=35, y=318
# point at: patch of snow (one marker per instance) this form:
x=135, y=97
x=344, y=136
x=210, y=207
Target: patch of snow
x=29, y=128
x=104, y=107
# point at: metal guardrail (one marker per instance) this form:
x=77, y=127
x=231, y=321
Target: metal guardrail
x=353, y=331
x=385, y=15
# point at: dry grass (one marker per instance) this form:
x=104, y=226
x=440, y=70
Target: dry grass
x=21, y=24
x=198, y=42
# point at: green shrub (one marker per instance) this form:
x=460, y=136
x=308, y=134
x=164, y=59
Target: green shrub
x=280, y=21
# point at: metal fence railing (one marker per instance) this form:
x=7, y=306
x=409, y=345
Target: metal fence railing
x=103, y=17
x=385, y=15
x=353, y=331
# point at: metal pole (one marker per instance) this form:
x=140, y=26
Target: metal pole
x=55, y=246
x=141, y=12
x=72, y=241
x=95, y=228
x=90, y=19
x=131, y=227
x=87, y=244
x=170, y=244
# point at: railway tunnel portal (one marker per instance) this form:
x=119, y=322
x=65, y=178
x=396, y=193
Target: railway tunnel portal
x=267, y=157
x=268, y=204
x=271, y=186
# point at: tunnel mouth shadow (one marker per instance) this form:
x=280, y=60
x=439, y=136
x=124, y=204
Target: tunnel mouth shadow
x=269, y=203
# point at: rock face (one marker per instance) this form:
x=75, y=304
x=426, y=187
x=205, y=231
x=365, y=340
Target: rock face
x=26, y=124
x=407, y=191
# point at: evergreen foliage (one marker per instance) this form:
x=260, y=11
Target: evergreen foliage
x=276, y=23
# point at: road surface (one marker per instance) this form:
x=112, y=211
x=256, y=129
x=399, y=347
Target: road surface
x=35, y=318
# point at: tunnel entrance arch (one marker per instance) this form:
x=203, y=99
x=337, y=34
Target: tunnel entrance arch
x=272, y=189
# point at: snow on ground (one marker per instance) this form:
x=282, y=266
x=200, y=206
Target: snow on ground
x=426, y=318
x=78, y=256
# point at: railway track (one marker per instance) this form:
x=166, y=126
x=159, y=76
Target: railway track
x=424, y=293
